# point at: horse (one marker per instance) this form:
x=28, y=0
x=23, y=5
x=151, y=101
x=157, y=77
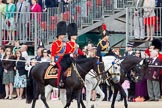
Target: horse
x=73, y=83
x=116, y=73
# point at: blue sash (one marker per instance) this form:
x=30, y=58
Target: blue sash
x=61, y=52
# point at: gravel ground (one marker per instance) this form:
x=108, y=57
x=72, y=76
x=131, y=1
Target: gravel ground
x=57, y=104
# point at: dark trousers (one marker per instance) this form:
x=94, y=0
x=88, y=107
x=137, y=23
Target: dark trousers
x=131, y=91
x=2, y=88
x=104, y=89
x=161, y=84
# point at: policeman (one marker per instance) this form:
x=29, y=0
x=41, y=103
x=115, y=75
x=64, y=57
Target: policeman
x=58, y=47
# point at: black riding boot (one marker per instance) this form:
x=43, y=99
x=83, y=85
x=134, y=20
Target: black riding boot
x=61, y=83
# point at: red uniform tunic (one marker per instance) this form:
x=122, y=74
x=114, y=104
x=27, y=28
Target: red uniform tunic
x=72, y=47
x=57, y=52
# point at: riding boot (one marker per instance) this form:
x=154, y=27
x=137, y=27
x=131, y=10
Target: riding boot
x=61, y=83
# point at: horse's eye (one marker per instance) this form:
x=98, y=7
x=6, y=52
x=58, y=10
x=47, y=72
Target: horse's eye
x=115, y=67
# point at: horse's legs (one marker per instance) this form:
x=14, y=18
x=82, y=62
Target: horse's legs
x=43, y=98
x=48, y=89
x=69, y=97
x=63, y=96
x=124, y=96
x=36, y=96
x=79, y=97
x=114, y=97
x=81, y=100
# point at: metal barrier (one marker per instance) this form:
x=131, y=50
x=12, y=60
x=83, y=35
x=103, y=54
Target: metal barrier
x=143, y=23
x=41, y=27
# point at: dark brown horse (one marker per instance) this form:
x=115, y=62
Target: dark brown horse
x=73, y=83
x=128, y=63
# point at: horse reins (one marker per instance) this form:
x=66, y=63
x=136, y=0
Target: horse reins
x=80, y=78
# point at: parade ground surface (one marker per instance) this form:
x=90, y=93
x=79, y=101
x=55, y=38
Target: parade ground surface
x=57, y=104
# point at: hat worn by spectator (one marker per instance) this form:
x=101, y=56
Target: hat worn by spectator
x=61, y=28
x=157, y=44
x=72, y=30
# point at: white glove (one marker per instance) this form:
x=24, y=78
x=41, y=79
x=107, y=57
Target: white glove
x=71, y=55
x=53, y=63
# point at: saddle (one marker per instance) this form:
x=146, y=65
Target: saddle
x=51, y=72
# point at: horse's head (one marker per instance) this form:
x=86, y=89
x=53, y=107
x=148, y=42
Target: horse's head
x=138, y=71
x=114, y=72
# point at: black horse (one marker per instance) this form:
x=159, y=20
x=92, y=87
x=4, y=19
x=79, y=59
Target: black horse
x=128, y=63
x=73, y=83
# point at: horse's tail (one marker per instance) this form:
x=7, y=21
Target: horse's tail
x=29, y=93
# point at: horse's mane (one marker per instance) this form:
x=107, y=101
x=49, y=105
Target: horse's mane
x=130, y=61
x=84, y=60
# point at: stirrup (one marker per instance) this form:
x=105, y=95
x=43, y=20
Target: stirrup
x=61, y=84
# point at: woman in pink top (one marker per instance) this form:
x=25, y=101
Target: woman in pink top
x=35, y=7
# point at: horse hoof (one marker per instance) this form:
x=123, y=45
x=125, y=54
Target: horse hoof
x=92, y=106
x=112, y=106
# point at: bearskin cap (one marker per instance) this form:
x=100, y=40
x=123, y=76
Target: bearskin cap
x=157, y=44
x=72, y=30
x=61, y=28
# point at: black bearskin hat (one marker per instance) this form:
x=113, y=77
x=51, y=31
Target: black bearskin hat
x=61, y=28
x=104, y=31
x=72, y=30
x=157, y=44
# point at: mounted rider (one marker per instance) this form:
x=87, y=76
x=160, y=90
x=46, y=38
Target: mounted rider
x=71, y=46
x=103, y=46
x=58, y=47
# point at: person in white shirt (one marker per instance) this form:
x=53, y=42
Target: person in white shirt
x=24, y=52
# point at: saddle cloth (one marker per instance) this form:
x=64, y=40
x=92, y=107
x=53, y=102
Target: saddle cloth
x=51, y=72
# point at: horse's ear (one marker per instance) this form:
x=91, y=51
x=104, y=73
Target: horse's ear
x=141, y=62
x=119, y=62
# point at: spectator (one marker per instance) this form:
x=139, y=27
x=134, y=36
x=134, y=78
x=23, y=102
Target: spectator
x=22, y=18
x=2, y=12
x=51, y=3
x=10, y=8
x=20, y=77
x=149, y=18
x=45, y=57
x=29, y=65
x=8, y=74
x=141, y=87
x=126, y=86
x=36, y=8
x=24, y=51
x=39, y=54
x=139, y=32
x=152, y=76
x=159, y=4
x=16, y=47
x=2, y=88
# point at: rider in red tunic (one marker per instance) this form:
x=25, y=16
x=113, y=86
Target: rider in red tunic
x=71, y=46
x=58, y=48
